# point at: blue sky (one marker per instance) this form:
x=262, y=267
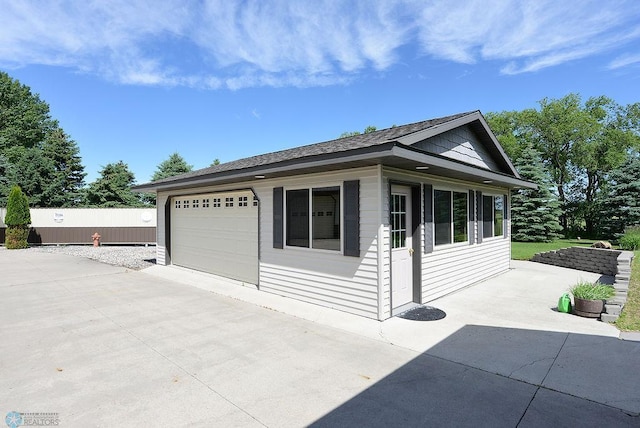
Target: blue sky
x=138, y=80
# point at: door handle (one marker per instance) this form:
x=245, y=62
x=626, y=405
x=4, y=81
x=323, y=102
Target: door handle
x=411, y=251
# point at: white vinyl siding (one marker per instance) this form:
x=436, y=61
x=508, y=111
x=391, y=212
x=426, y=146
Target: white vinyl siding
x=324, y=277
x=454, y=268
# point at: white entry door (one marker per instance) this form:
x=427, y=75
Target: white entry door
x=401, y=247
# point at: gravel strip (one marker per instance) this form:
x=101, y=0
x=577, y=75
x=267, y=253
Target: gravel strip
x=132, y=257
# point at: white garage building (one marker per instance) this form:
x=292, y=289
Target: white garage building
x=371, y=224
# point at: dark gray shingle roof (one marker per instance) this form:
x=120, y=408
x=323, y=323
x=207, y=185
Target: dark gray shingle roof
x=334, y=146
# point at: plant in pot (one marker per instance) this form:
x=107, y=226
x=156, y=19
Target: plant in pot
x=589, y=297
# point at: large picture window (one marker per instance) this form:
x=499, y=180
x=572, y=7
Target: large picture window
x=493, y=216
x=314, y=222
x=450, y=214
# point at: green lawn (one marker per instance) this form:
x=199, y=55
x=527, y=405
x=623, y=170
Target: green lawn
x=630, y=318
x=526, y=250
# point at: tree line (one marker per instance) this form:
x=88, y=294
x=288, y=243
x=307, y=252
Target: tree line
x=37, y=155
x=585, y=158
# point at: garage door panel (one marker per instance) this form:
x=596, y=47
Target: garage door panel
x=216, y=239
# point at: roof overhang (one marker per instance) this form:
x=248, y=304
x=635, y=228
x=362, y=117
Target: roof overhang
x=392, y=154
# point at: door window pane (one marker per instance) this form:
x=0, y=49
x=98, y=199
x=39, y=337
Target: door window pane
x=398, y=221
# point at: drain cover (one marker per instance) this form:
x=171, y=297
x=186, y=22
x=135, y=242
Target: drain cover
x=423, y=313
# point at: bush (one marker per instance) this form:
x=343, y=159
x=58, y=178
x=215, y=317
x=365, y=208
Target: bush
x=16, y=237
x=17, y=219
x=631, y=239
x=17, y=208
x=592, y=291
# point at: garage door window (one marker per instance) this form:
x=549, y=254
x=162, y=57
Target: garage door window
x=314, y=222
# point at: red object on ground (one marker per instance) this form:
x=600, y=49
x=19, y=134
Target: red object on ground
x=96, y=239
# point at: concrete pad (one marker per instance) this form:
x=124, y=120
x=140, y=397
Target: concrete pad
x=432, y=392
x=553, y=409
x=505, y=351
x=601, y=369
x=100, y=344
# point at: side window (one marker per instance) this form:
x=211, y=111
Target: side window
x=492, y=216
x=313, y=218
x=450, y=215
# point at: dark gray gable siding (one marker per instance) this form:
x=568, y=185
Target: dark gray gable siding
x=461, y=144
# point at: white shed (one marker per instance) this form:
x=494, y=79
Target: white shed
x=371, y=224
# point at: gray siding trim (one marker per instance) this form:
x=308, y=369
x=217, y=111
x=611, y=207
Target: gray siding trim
x=278, y=218
x=428, y=218
x=471, y=219
x=352, y=218
x=480, y=216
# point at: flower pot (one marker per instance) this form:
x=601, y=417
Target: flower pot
x=588, y=308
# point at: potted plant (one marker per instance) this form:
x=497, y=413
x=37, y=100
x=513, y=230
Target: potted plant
x=589, y=297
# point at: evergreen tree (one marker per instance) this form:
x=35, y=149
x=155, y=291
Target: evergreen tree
x=17, y=219
x=5, y=183
x=113, y=188
x=36, y=153
x=620, y=207
x=34, y=173
x=175, y=165
x=68, y=169
x=534, y=212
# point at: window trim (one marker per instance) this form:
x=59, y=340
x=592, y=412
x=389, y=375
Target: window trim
x=285, y=219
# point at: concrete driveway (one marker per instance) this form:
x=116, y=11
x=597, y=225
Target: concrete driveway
x=98, y=345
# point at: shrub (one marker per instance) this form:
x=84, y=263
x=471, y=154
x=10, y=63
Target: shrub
x=17, y=219
x=592, y=291
x=16, y=237
x=631, y=239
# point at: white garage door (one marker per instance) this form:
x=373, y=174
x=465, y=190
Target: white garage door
x=216, y=233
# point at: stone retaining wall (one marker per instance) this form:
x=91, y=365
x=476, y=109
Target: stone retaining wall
x=614, y=263
x=587, y=259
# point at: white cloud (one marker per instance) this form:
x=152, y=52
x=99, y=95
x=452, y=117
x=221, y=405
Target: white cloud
x=224, y=44
x=624, y=61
